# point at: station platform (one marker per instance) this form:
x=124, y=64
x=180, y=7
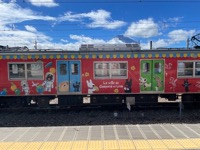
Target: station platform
x=108, y=137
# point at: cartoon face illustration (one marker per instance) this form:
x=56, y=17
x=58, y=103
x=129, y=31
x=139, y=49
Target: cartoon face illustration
x=91, y=87
x=49, y=80
x=128, y=86
x=25, y=87
x=143, y=82
x=63, y=86
x=49, y=77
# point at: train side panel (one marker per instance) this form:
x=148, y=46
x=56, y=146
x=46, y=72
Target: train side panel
x=110, y=76
x=125, y=75
x=101, y=77
x=28, y=77
x=181, y=75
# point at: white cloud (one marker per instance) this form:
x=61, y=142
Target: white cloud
x=69, y=16
x=11, y=35
x=22, y=38
x=180, y=35
x=18, y=14
x=30, y=28
x=170, y=22
x=87, y=40
x=175, y=19
x=102, y=18
x=155, y=44
x=115, y=41
x=143, y=28
x=63, y=40
x=176, y=38
x=79, y=39
x=99, y=18
x=45, y=3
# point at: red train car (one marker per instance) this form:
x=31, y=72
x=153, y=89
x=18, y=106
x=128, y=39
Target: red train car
x=98, y=77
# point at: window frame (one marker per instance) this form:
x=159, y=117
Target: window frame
x=193, y=69
x=112, y=72
x=26, y=71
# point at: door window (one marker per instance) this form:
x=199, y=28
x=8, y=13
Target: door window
x=157, y=68
x=74, y=69
x=145, y=67
x=63, y=69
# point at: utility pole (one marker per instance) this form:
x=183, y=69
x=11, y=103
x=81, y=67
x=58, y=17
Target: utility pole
x=35, y=44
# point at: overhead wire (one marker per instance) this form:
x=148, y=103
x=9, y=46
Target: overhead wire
x=108, y=1
x=120, y=1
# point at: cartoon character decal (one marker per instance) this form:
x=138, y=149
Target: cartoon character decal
x=168, y=66
x=172, y=81
x=49, y=81
x=63, y=86
x=198, y=84
x=15, y=89
x=39, y=87
x=128, y=86
x=143, y=82
x=25, y=87
x=186, y=85
x=158, y=82
x=91, y=87
x=3, y=92
x=76, y=86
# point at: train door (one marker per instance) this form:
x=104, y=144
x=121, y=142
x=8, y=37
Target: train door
x=152, y=75
x=68, y=76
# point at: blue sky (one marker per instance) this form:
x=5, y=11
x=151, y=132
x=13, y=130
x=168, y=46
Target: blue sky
x=66, y=24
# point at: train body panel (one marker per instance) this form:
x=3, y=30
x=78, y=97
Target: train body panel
x=28, y=77
x=100, y=73
x=110, y=76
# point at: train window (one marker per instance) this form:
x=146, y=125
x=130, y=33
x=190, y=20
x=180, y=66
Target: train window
x=145, y=67
x=110, y=69
x=34, y=71
x=197, y=69
x=186, y=69
x=102, y=70
x=181, y=68
x=118, y=69
x=157, y=67
x=63, y=69
x=74, y=69
x=16, y=71
x=20, y=71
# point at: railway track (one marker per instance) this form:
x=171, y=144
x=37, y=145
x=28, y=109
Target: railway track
x=97, y=116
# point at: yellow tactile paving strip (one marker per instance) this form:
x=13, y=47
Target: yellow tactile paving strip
x=163, y=144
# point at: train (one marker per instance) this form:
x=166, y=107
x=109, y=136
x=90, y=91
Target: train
x=121, y=75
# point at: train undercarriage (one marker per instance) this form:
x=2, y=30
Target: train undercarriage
x=119, y=100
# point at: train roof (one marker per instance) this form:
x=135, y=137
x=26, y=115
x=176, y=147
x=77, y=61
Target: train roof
x=94, y=49
x=109, y=47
